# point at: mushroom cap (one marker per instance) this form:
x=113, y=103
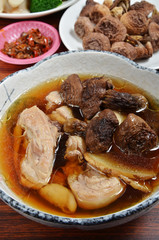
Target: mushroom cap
x=112, y=28
x=125, y=49
x=135, y=22
x=96, y=41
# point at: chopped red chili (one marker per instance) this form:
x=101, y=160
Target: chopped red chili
x=30, y=44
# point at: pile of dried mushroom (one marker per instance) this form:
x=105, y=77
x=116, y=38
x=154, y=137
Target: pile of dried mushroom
x=130, y=30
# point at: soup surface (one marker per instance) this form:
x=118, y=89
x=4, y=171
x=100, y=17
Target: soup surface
x=62, y=166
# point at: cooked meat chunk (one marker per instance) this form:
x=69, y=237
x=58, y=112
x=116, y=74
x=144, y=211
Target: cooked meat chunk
x=71, y=90
x=143, y=6
x=54, y=99
x=154, y=34
x=100, y=130
x=112, y=28
x=96, y=41
x=124, y=49
x=134, y=135
x=75, y=148
x=135, y=22
x=93, y=90
x=94, y=190
x=83, y=26
x=124, y=101
x=97, y=12
x=36, y=167
x=74, y=125
x=87, y=8
x=61, y=114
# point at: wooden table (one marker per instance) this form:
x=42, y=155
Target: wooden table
x=15, y=226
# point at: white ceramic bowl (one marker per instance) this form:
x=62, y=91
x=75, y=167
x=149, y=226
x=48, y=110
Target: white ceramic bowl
x=84, y=62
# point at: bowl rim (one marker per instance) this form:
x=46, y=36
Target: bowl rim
x=52, y=50
x=138, y=208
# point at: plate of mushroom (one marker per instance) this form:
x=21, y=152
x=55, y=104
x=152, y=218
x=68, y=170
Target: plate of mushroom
x=125, y=27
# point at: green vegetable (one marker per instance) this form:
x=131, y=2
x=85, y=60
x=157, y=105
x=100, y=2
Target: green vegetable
x=43, y=5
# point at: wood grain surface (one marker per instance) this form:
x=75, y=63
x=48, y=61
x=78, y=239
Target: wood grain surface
x=15, y=226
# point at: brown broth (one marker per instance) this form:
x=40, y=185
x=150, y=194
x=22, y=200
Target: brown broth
x=36, y=96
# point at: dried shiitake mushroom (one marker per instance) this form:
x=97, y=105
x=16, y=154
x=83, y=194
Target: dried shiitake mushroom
x=124, y=49
x=135, y=22
x=112, y=28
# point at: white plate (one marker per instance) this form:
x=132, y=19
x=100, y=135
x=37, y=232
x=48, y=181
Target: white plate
x=72, y=42
x=64, y=5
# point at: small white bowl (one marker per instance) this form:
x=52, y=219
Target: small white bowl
x=82, y=62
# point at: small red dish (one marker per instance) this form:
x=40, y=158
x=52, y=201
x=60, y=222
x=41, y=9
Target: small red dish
x=13, y=31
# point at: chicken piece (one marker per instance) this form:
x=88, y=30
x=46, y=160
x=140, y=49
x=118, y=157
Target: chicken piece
x=96, y=41
x=75, y=148
x=87, y=8
x=94, y=190
x=124, y=49
x=61, y=114
x=154, y=34
x=59, y=196
x=143, y=6
x=54, y=99
x=98, y=11
x=112, y=28
x=71, y=90
x=135, y=136
x=100, y=129
x=36, y=167
x=135, y=22
x=116, y=165
x=75, y=126
x=83, y=26
x=124, y=101
x=94, y=90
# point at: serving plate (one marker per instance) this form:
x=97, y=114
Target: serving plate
x=64, y=5
x=80, y=62
x=11, y=32
x=72, y=42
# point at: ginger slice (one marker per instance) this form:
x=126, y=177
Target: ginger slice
x=105, y=163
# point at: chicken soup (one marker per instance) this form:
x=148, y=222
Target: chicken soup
x=81, y=146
